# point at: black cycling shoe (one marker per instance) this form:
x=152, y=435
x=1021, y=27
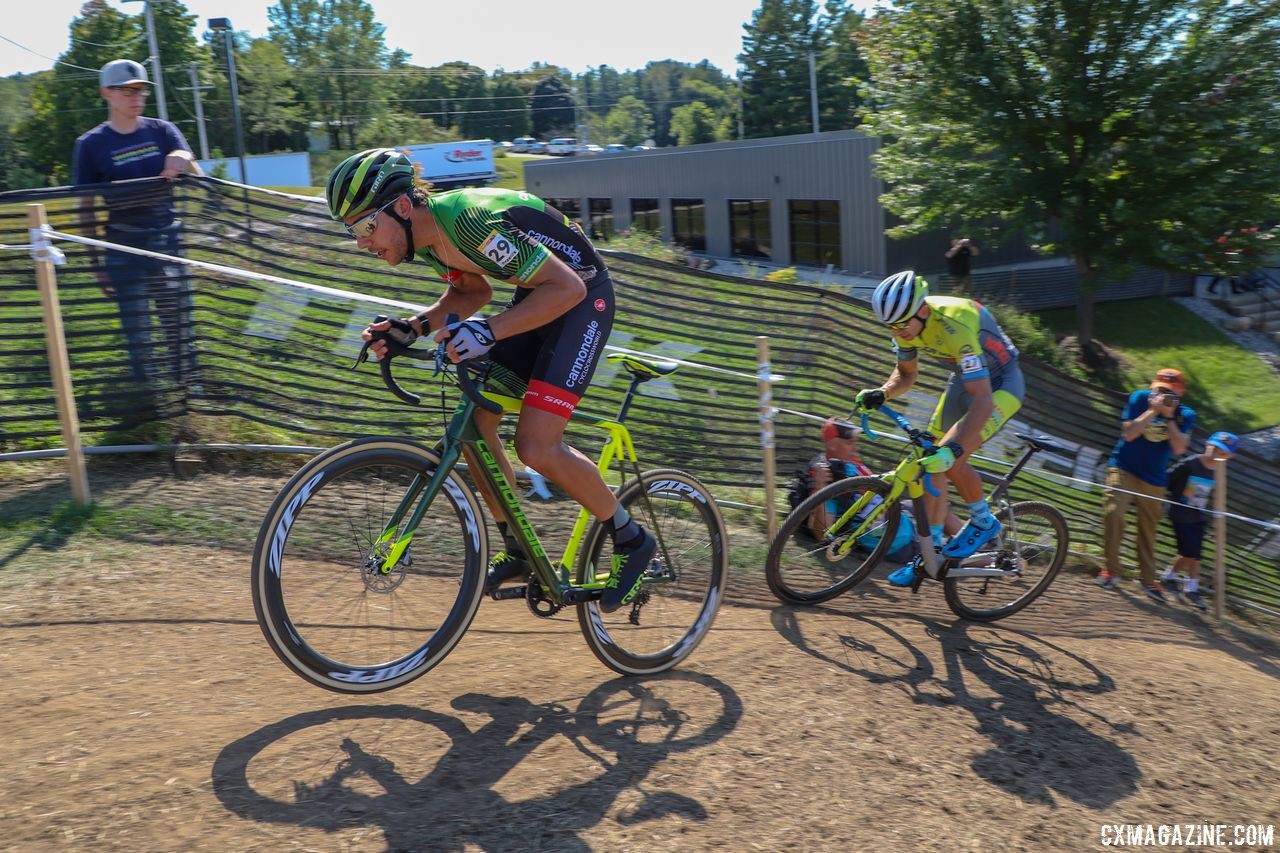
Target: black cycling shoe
x=628, y=572
x=504, y=566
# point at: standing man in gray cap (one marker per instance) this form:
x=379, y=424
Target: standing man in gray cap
x=129, y=146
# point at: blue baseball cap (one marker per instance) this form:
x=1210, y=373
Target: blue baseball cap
x=1225, y=441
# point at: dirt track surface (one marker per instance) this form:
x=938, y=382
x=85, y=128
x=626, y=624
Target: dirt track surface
x=143, y=711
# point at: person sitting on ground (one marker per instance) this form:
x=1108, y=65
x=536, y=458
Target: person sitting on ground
x=1190, y=484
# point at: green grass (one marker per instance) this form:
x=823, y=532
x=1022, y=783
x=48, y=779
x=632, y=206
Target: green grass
x=1227, y=385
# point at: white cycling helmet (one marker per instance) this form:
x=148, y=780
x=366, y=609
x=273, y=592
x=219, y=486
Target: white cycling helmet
x=898, y=297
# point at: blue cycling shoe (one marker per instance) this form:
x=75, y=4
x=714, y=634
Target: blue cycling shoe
x=904, y=576
x=970, y=539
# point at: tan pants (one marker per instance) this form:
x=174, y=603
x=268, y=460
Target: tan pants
x=1115, y=505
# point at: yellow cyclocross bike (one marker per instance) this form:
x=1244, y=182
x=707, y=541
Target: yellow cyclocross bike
x=370, y=564
x=998, y=581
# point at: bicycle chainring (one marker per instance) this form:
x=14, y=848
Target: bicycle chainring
x=539, y=604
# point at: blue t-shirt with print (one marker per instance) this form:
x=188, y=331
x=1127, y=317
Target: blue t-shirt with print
x=1147, y=456
x=103, y=155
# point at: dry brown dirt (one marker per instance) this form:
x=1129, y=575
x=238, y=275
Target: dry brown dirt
x=143, y=711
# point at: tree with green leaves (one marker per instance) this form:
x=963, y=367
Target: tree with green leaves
x=333, y=46
x=270, y=111
x=775, y=67
x=693, y=124
x=629, y=122
x=841, y=70
x=553, y=109
x=1142, y=128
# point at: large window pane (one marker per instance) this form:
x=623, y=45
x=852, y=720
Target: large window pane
x=749, y=227
x=815, y=232
x=644, y=215
x=601, y=218
x=688, y=224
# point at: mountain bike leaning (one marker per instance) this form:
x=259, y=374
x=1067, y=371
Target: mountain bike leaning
x=370, y=564
x=1003, y=577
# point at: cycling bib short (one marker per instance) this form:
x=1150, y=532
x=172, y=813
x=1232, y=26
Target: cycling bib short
x=511, y=235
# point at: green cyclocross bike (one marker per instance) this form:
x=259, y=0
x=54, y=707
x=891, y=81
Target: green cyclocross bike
x=370, y=564
x=998, y=581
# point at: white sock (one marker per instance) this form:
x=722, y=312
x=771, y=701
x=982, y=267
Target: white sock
x=1193, y=584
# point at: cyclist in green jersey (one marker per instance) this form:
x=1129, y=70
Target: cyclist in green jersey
x=545, y=344
x=985, y=390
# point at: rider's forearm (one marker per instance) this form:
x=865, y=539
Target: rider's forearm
x=548, y=301
x=463, y=303
x=897, y=384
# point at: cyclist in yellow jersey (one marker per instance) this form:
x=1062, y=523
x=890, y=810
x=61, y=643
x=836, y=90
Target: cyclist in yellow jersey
x=985, y=390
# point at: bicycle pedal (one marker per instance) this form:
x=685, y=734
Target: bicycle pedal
x=921, y=574
x=507, y=593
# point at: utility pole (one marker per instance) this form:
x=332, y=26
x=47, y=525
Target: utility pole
x=223, y=25
x=813, y=90
x=742, y=106
x=195, y=90
x=157, y=74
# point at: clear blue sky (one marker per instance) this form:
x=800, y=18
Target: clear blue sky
x=496, y=33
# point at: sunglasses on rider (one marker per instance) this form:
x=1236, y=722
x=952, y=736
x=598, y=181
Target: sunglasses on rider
x=902, y=324
x=364, y=226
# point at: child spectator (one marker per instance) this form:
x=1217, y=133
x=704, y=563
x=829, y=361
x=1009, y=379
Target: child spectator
x=1190, y=485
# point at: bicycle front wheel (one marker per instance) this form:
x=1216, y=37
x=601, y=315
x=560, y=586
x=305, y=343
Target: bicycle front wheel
x=329, y=607
x=802, y=569
x=1031, y=549
x=683, y=585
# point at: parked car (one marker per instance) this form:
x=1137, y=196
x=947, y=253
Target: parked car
x=592, y=148
x=615, y=147
x=562, y=146
x=520, y=144
x=641, y=148
x=507, y=146
x=536, y=147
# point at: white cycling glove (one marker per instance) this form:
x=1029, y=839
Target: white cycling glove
x=471, y=338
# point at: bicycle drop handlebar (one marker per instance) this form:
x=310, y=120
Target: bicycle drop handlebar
x=395, y=350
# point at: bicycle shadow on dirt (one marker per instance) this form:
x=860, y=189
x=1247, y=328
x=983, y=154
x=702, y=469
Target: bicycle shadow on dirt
x=1036, y=751
x=623, y=729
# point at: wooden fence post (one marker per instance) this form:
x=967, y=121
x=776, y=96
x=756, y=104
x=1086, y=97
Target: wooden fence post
x=1220, y=539
x=59, y=364
x=764, y=381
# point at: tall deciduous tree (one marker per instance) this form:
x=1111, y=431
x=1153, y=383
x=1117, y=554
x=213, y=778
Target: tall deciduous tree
x=1144, y=128
x=272, y=115
x=334, y=44
x=552, y=106
x=629, y=122
x=775, y=67
x=693, y=124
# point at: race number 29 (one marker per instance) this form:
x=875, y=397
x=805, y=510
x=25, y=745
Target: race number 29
x=499, y=248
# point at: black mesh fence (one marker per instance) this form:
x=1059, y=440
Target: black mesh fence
x=229, y=358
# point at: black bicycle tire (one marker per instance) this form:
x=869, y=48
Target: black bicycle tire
x=1059, y=524
x=602, y=644
x=799, y=516
x=287, y=643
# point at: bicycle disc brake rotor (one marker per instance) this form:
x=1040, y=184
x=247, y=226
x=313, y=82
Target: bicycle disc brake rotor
x=833, y=549
x=375, y=580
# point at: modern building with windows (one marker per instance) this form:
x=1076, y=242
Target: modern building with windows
x=807, y=200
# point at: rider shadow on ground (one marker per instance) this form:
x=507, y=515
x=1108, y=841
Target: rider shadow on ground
x=624, y=728
x=1036, y=752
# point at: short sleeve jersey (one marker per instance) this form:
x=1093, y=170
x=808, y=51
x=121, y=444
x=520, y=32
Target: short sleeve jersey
x=1190, y=485
x=964, y=337
x=510, y=235
x=103, y=155
x=1147, y=456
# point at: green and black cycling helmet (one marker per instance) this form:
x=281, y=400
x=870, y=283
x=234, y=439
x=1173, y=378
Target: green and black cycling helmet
x=367, y=181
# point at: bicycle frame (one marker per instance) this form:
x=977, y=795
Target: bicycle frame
x=461, y=434
x=909, y=477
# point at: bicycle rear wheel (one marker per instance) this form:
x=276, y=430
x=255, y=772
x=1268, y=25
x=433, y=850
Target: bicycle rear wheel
x=803, y=570
x=327, y=610
x=1032, y=546
x=684, y=584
